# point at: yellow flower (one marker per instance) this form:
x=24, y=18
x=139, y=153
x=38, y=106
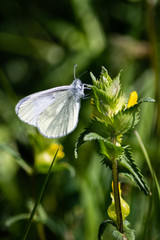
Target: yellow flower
x=44, y=159
x=132, y=99
x=53, y=148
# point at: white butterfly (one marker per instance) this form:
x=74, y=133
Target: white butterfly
x=55, y=111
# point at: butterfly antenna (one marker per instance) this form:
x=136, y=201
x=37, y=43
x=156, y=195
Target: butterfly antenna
x=75, y=71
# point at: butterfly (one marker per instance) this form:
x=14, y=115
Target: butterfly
x=54, y=111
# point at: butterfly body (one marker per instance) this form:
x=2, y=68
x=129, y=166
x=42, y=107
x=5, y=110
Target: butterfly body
x=55, y=111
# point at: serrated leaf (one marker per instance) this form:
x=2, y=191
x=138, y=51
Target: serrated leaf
x=99, y=96
x=94, y=80
x=129, y=177
x=105, y=160
x=125, y=120
x=114, y=87
x=109, y=150
x=95, y=127
x=105, y=105
x=102, y=101
x=99, y=84
x=103, y=226
x=101, y=133
x=120, y=103
x=127, y=165
x=128, y=234
x=105, y=78
x=93, y=136
x=104, y=71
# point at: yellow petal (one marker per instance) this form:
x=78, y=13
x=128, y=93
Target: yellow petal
x=132, y=99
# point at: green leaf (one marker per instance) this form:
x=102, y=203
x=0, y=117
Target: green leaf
x=128, y=234
x=100, y=84
x=102, y=134
x=101, y=100
x=93, y=136
x=126, y=164
x=40, y=217
x=95, y=127
x=103, y=226
x=104, y=77
x=146, y=99
x=114, y=88
x=10, y=221
x=125, y=120
x=17, y=157
x=109, y=151
x=105, y=104
x=94, y=80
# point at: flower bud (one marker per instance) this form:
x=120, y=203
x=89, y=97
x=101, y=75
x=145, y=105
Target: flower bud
x=124, y=207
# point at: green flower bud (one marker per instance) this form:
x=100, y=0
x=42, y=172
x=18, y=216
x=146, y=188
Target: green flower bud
x=124, y=207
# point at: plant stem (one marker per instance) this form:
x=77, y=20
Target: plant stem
x=117, y=196
x=41, y=232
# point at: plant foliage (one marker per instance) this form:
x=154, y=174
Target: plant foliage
x=113, y=115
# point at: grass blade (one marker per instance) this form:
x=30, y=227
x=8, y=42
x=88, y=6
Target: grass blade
x=148, y=162
x=39, y=198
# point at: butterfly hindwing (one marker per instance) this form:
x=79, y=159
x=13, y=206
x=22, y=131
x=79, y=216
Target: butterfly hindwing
x=60, y=117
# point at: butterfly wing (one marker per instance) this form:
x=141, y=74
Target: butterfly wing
x=60, y=117
x=29, y=108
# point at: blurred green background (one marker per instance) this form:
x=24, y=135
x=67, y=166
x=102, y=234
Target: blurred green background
x=40, y=42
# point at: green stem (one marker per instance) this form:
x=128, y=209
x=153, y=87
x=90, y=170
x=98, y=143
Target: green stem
x=41, y=232
x=117, y=196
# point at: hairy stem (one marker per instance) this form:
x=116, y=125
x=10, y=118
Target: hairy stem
x=117, y=196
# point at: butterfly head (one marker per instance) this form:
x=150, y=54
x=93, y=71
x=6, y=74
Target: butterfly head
x=78, y=88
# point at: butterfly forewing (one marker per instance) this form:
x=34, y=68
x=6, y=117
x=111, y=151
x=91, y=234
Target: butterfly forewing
x=55, y=111
x=60, y=117
x=29, y=108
